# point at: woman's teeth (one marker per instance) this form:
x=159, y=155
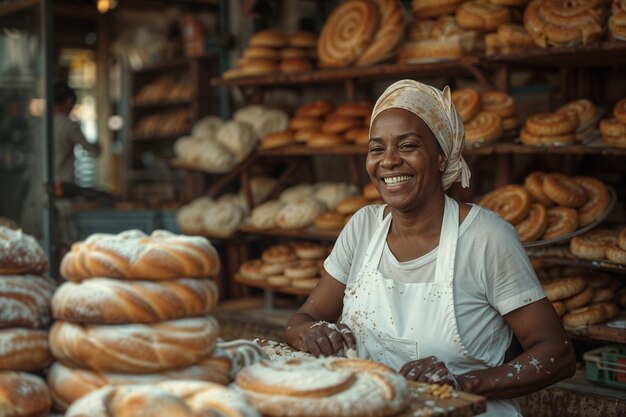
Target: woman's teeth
x=397, y=180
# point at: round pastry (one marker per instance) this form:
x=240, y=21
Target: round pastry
x=534, y=185
x=325, y=140
x=371, y=192
x=534, y=226
x=263, y=120
x=433, y=8
x=564, y=288
x=348, y=31
x=238, y=138
x=171, y=398
x=223, y=219
x=561, y=221
x=549, y=124
x=362, y=109
x=304, y=135
x=564, y=191
x=277, y=140
x=593, y=245
x=485, y=128
x=351, y=205
x=133, y=254
x=559, y=307
x=25, y=301
x=514, y=34
x=301, y=122
x=317, y=109
x=616, y=254
x=619, y=111
x=476, y=15
x=295, y=65
x=309, y=250
x=303, y=39
x=305, y=284
x=134, y=348
x=260, y=52
x=263, y=216
x=511, y=202
x=498, y=102
x=275, y=269
x=271, y=38
x=189, y=217
x=532, y=139
x=258, y=67
x=279, y=254
x=467, y=103
x=602, y=294
x=347, y=387
x=24, y=350
x=251, y=269
x=113, y=301
x=598, y=199
x=23, y=395
x=389, y=34
x=20, y=253
x=298, y=213
x=329, y=220
x=583, y=109
x=581, y=299
x=340, y=124
x=279, y=280
x=301, y=270
x=334, y=192
x=585, y=316
x=296, y=192
x=611, y=127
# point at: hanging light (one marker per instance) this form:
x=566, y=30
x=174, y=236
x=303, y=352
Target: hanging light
x=106, y=5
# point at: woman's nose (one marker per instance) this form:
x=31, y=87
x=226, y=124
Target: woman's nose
x=390, y=158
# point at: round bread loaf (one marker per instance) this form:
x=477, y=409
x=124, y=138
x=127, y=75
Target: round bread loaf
x=299, y=213
x=25, y=301
x=20, y=253
x=269, y=38
x=24, y=350
x=23, y=395
x=264, y=215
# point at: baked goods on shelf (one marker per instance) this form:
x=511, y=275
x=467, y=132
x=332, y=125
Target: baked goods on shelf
x=613, y=130
x=617, y=21
x=479, y=15
x=511, y=202
x=20, y=253
x=172, y=398
x=507, y=39
x=165, y=89
x=23, y=395
x=600, y=244
x=347, y=387
x=433, y=8
x=162, y=124
x=388, y=36
x=548, y=129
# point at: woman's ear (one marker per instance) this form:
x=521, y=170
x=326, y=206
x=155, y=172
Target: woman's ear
x=443, y=161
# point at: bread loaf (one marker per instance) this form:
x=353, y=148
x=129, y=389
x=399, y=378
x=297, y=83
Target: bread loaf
x=24, y=350
x=23, y=395
x=111, y=301
x=25, y=301
x=134, y=348
x=68, y=384
x=133, y=254
x=20, y=253
x=167, y=399
x=389, y=35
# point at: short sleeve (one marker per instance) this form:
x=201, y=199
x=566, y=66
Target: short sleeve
x=339, y=263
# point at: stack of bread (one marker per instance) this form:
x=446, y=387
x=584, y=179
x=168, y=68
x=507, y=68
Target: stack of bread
x=297, y=265
x=565, y=22
x=24, y=316
x=485, y=115
x=221, y=218
x=271, y=51
x=583, y=114
x=549, y=129
x=549, y=206
x=216, y=146
x=361, y=32
x=617, y=21
x=169, y=123
x=135, y=310
x=167, y=88
x=614, y=129
x=320, y=125
x=600, y=244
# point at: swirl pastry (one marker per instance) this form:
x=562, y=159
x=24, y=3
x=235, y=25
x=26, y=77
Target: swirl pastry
x=25, y=301
x=389, y=35
x=585, y=316
x=486, y=127
x=511, y=202
x=533, y=139
x=24, y=350
x=350, y=388
x=534, y=226
x=498, y=102
x=133, y=254
x=564, y=191
x=581, y=299
x=534, y=185
x=561, y=221
x=477, y=15
x=583, y=110
x=593, y=245
x=23, y=395
x=347, y=33
x=597, y=202
x=549, y=124
x=20, y=253
x=467, y=103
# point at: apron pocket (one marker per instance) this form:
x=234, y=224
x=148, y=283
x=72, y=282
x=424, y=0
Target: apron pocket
x=396, y=352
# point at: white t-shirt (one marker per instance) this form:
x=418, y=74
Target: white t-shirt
x=492, y=275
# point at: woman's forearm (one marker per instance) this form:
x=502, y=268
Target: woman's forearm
x=541, y=365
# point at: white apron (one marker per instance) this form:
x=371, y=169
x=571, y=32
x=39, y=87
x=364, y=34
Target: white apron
x=396, y=322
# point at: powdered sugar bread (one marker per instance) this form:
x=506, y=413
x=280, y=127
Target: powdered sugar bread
x=20, y=253
x=133, y=254
x=323, y=387
x=24, y=350
x=23, y=394
x=25, y=301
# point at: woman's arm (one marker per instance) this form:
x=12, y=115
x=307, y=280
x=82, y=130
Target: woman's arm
x=324, y=304
x=548, y=356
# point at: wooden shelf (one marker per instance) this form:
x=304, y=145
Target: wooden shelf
x=601, y=332
x=303, y=150
x=309, y=233
x=264, y=285
x=581, y=263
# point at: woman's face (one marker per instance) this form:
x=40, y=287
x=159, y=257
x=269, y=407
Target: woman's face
x=403, y=159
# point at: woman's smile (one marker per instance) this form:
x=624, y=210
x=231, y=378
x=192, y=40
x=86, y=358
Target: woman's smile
x=397, y=182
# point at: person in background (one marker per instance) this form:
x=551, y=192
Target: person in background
x=435, y=289
x=67, y=134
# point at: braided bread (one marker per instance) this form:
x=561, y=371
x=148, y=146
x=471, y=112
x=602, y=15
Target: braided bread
x=23, y=395
x=111, y=301
x=24, y=350
x=69, y=384
x=25, y=301
x=133, y=254
x=20, y=253
x=389, y=35
x=134, y=348
x=167, y=399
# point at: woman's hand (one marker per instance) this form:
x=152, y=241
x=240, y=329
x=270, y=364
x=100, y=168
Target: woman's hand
x=328, y=339
x=430, y=370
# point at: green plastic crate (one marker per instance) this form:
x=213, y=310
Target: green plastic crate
x=607, y=365
x=116, y=221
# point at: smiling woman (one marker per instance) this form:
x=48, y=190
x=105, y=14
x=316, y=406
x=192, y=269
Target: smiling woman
x=435, y=289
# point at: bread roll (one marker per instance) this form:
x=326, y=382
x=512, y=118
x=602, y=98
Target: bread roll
x=332, y=193
x=134, y=348
x=24, y=350
x=303, y=39
x=299, y=213
x=238, y=138
x=133, y=254
x=25, y=301
x=20, y=253
x=270, y=38
x=111, y=301
x=189, y=217
x=296, y=192
x=23, y=395
x=223, y=219
x=264, y=216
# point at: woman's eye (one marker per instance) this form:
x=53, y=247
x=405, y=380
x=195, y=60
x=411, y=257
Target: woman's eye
x=376, y=149
x=407, y=147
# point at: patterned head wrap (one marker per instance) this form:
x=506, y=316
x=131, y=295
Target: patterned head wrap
x=435, y=108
